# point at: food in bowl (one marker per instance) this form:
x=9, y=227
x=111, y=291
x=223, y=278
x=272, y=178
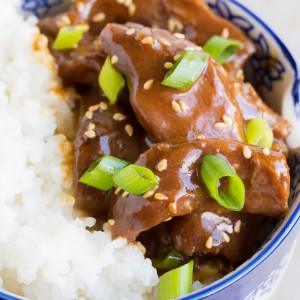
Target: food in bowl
x=182, y=158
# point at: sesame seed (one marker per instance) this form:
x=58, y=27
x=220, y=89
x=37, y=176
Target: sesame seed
x=168, y=219
x=99, y=17
x=147, y=40
x=119, y=117
x=237, y=226
x=198, y=48
x=175, y=106
x=120, y=1
x=130, y=31
x=94, y=107
x=127, y=3
x=174, y=24
x=131, y=9
x=266, y=151
x=209, y=243
x=91, y=126
x=141, y=247
x=164, y=42
x=111, y=222
x=240, y=74
x=160, y=196
x=148, y=194
x=227, y=120
x=179, y=35
x=64, y=21
x=182, y=105
x=117, y=191
x=201, y=137
x=168, y=65
x=89, y=115
x=103, y=105
x=225, y=237
x=236, y=166
x=247, y=152
x=129, y=129
x=162, y=165
x=172, y=208
x=114, y=59
x=176, y=56
x=236, y=85
x=90, y=134
x=225, y=33
x=220, y=125
x=189, y=48
x=148, y=84
x=125, y=194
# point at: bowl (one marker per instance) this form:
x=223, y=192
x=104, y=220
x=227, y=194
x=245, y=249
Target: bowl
x=279, y=86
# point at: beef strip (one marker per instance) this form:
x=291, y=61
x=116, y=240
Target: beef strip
x=207, y=101
x=111, y=138
x=266, y=179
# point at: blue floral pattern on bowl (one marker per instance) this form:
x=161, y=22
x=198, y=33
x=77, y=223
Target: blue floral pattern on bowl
x=40, y=8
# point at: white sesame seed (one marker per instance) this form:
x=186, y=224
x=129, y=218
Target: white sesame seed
x=172, y=207
x=129, y=129
x=220, y=125
x=119, y=117
x=247, y=152
x=147, y=40
x=162, y=165
x=225, y=33
x=236, y=85
x=94, y=108
x=111, y=222
x=64, y=21
x=90, y=134
x=148, y=84
x=103, y=105
x=201, y=137
x=237, y=226
x=225, y=237
x=236, y=166
x=141, y=247
x=209, y=243
x=266, y=151
x=127, y=3
x=130, y=31
x=182, y=105
x=117, y=191
x=99, y=17
x=89, y=115
x=125, y=194
x=227, y=120
x=175, y=106
x=179, y=35
x=131, y=10
x=176, y=56
x=198, y=48
x=114, y=59
x=149, y=194
x=160, y=196
x=168, y=219
x=189, y=48
x=168, y=65
x=174, y=24
x=91, y=126
x=164, y=42
x=240, y=74
x=121, y=1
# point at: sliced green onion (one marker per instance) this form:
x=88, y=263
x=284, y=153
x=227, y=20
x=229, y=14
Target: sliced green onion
x=259, y=133
x=69, y=36
x=100, y=172
x=213, y=168
x=135, y=180
x=176, y=283
x=221, y=49
x=110, y=81
x=171, y=261
x=186, y=70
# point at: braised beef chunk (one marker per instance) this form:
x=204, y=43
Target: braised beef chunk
x=108, y=123
x=181, y=190
x=200, y=107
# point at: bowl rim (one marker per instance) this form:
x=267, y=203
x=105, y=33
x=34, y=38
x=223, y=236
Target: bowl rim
x=284, y=231
x=293, y=219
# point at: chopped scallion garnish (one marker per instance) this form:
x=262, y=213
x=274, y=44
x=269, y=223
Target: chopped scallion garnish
x=213, y=169
x=176, y=283
x=110, y=81
x=69, y=36
x=259, y=133
x=221, y=49
x=100, y=172
x=173, y=260
x=186, y=70
x=135, y=180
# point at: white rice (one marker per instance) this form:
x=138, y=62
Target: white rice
x=45, y=252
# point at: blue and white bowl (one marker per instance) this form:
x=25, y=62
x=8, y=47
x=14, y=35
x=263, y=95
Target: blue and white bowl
x=257, y=277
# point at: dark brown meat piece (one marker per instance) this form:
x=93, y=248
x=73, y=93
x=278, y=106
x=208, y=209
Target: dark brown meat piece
x=266, y=180
x=191, y=17
x=207, y=101
x=111, y=138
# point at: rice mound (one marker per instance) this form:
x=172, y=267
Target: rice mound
x=46, y=252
